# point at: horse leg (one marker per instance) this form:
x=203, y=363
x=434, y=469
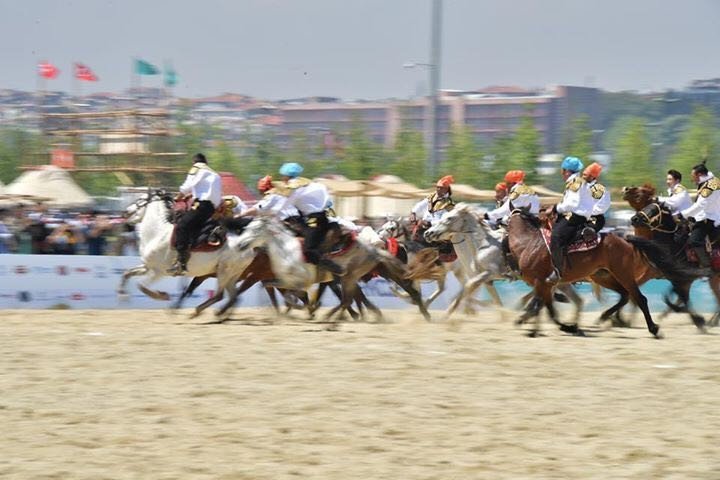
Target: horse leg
x=436, y=293
x=576, y=299
x=154, y=294
x=189, y=290
x=641, y=301
x=270, y=290
x=131, y=272
x=467, y=290
x=362, y=300
x=714, y=282
x=683, y=293
x=234, y=294
x=545, y=293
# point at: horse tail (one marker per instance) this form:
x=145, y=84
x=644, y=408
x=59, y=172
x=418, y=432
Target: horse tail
x=670, y=266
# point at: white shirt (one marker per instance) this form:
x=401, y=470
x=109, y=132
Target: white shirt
x=602, y=204
x=577, y=198
x=309, y=199
x=272, y=204
x=203, y=183
x=345, y=224
x=707, y=204
x=422, y=211
x=678, y=199
x=520, y=196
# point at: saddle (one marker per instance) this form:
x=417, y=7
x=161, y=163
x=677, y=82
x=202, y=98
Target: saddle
x=585, y=239
x=212, y=236
x=446, y=250
x=344, y=243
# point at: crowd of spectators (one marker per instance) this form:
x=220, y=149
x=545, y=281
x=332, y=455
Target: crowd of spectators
x=37, y=230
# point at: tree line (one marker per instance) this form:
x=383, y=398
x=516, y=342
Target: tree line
x=641, y=147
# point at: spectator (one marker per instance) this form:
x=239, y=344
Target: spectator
x=63, y=240
x=96, y=235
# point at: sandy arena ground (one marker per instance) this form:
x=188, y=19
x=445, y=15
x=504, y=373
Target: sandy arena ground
x=146, y=395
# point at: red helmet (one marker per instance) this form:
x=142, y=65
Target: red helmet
x=514, y=176
x=593, y=170
x=501, y=187
x=265, y=184
x=445, y=181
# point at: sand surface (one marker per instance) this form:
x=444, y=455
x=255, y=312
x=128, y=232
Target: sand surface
x=146, y=395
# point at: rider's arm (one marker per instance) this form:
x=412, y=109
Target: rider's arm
x=602, y=205
x=570, y=201
x=500, y=212
x=697, y=208
x=674, y=201
x=190, y=181
x=420, y=208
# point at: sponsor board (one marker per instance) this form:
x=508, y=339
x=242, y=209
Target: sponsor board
x=84, y=281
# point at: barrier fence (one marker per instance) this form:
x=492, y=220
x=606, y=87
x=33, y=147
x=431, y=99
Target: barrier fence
x=82, y=281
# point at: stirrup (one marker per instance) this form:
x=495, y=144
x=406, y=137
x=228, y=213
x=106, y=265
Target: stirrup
x=554, y=277
x=177, y=270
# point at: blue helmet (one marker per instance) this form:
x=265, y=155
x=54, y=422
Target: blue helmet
x=573, y=164
x=291, y=170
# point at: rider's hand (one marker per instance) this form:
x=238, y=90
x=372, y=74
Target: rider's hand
x=678, y=218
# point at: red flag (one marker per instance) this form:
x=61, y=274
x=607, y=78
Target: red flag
x=82, y=72
x=48, y=70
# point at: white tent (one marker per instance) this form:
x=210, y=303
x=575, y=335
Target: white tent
x=51, y=183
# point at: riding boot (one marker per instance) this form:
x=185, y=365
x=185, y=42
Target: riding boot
x=179, y=268
x=558, y=257
x=331, y=266
x=703, y=257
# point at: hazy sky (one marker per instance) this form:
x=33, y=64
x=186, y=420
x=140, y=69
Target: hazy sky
x=356, y=48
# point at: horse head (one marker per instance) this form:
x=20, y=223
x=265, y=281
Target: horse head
x=458, y=220
x=639, y=197
x=135, y=212
x=654, y=217
x=389, y=229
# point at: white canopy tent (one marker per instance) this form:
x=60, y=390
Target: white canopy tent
x=51, y=185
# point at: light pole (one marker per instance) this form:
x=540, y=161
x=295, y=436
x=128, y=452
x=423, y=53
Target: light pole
x=434, y=76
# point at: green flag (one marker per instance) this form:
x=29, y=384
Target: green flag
x=145, y=68
x=171, y=76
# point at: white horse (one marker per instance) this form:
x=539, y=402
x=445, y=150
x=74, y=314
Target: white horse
x=394, y=228
x=152, y=215
x=479, y=248
x=294, y=273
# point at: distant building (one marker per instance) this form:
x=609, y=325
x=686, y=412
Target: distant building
x=489, y=113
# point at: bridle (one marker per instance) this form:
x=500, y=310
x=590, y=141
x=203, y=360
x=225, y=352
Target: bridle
x=649, y=220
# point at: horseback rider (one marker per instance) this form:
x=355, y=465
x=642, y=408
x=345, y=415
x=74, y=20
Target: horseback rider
x=519, y=196
x=678, y=198
x=431, y=209
x=310, y=199
x=501, y=192
x=204, y=185
x=573, y=213
x=600, y=195
x=705, y=211
x=271, y=203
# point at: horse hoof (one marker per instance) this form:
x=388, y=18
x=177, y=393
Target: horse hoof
x=658, y=334
x=123, y=297
x=533, y=334
x=580, y=333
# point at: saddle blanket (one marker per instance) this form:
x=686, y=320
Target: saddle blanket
x=578, y=245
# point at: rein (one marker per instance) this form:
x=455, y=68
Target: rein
x=650, y=219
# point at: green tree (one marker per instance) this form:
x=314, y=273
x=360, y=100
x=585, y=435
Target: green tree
x=362, y=157
x=408, y=159
x=697, y=143
x=463, y=157
x=578, y=138
x=632, y=155
x=526, y=149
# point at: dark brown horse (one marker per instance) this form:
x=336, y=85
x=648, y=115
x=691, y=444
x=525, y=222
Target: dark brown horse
x=654, y=223
x=613, y=254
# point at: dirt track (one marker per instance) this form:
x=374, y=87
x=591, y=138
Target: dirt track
x=145, y=395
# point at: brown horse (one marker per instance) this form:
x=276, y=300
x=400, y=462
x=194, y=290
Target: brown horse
x=653, y=222
x=613, y=254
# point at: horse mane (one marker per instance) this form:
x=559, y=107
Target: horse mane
x=528, y=217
